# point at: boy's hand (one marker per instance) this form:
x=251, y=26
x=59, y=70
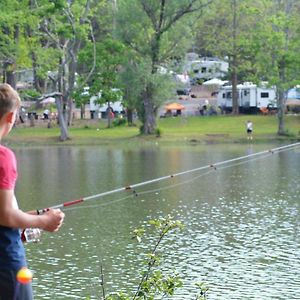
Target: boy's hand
x=52, y=219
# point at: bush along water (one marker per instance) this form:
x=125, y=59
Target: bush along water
x=154, y=283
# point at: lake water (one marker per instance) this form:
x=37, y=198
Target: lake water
x=241, y=220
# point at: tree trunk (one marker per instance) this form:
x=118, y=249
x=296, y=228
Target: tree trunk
x=235, y=102
x=280, y=97
x=61, y=119
x=149, y=110
x=38, y=85
x=82, y=111
x=280, y=111
x=109, y=115
x=8, y=73
x=149, y=117
x=129, y=116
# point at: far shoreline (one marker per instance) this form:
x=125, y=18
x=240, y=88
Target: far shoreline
x=180, y=130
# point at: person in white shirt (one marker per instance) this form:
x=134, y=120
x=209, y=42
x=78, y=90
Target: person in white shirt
x=249, y=127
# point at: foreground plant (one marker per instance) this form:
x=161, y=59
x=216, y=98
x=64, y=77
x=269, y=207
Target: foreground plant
x=153, y=284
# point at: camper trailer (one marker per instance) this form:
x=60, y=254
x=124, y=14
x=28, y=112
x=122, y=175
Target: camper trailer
x=206, y=68
x=101, y=110
x=251, y=98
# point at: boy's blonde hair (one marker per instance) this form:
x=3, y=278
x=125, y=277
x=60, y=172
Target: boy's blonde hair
x=9, y=99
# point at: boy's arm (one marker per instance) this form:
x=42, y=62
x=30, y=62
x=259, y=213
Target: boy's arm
x=10, y=216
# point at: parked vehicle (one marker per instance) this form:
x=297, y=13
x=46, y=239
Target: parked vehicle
x=204, y=68
x=183, y=86
x=251, y=98
x=101, y=110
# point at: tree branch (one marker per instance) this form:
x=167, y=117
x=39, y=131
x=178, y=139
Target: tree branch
x=185, y=10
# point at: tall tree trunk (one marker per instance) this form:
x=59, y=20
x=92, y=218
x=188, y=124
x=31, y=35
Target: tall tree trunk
x=61, y=103
x=280, y=97
x=280, y=111
x=82, y=111
x=62, y=122
x=109, y=115
x=149, y=109
x=149, y=117
x=235, y=102
x=129, y=116
x=37, y=83
x=9, y=73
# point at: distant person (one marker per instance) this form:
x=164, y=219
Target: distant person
x=22, y=113
x=12, y=219
x=249, y=129
x=46, y=114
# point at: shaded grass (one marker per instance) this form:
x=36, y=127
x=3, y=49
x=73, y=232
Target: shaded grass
x=178, y=129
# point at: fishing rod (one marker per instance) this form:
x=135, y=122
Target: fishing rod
x=133, y=186
x=33, y=234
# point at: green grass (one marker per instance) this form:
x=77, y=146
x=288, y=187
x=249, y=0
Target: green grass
x=227, y=128
x=178, y=129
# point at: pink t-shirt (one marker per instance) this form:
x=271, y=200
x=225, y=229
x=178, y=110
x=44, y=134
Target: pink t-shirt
x=12, y=253
x=8, y=169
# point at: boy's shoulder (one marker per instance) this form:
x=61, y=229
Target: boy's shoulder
x=4, y=149
x=6, y=153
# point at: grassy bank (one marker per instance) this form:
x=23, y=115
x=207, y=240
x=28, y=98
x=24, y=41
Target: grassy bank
x=221, y=129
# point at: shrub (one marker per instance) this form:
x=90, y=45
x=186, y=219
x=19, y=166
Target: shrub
x=119, y=122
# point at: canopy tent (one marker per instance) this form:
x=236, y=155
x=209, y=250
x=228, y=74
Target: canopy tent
x=48, y=100
x=174, y=106
x=214, y=81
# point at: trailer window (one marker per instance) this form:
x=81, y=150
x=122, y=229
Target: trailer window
x=264, y=95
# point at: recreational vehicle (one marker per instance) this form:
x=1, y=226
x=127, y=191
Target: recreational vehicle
x=206, y=68
x=251, y=98
x=98, y=110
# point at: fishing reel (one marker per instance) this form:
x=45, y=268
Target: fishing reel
x=31, y=235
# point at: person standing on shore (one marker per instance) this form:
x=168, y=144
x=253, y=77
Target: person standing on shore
x=12, y=219
x=249, y=129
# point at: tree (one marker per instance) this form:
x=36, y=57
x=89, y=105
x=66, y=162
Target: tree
x=53, y=32
x=278, y=42
x=12, y=23
x=131, y=78
x=224, y=32
x=67, y=30
x=108, y=63
x=156, y=30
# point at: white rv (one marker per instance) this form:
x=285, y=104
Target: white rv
x=250, y=97
x=206, y=68
x=100, y=110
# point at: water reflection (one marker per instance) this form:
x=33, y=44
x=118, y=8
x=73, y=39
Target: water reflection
x=241, y=222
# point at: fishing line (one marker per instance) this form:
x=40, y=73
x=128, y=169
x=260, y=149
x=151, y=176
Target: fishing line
x=159, y=189
x=212, y=168
x=132, y=195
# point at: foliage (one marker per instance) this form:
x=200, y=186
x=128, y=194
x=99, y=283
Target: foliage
x=153, y=32
x=260, y=39
x=29, y=94
x=277, y=34
x=119, y=121
x=158, y=132
x=153, y=282
x=75, y=44
x=109, y=58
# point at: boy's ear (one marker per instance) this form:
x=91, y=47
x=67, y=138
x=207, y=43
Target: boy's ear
x=9, y=117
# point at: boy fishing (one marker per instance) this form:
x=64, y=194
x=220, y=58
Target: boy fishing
x=12, y=219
